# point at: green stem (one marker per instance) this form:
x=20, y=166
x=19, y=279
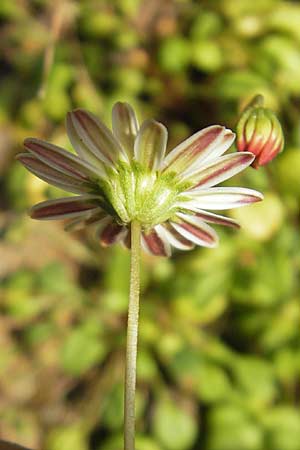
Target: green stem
x=132, y=337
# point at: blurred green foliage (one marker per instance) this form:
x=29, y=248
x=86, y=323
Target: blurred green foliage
x=219, y=352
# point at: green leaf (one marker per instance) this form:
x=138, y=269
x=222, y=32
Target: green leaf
x=67, y=438
x=54, y=279
x=213, y=384
x=255, y=378
x=174, y=54
x=206, y=24
x=142, y=443
x=207, y=55
x=229, y=428
x=81, y=351
x=173, y=426
x=146, y=365
x=287, y=173
x=234, y=85
x=283, y=428
x=113, y=414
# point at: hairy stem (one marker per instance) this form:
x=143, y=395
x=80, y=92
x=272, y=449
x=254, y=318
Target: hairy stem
x=132, y=337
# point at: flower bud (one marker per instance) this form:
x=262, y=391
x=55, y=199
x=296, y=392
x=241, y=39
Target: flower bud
x=259, y=132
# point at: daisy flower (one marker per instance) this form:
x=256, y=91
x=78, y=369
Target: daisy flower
x=125, y=175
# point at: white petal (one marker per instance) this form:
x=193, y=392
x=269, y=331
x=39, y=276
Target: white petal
x=195, y=230
x=66, y=207
x=125, y=126
x=219, y=169
x=222, y=198
x=62, y=160
x=204, y=145
x=52, y=176
x=95, y=136
x=209, y=216
x=80, y=146
x=150, y=144
x=155, y=242
x=95, y=218
x=176, y=239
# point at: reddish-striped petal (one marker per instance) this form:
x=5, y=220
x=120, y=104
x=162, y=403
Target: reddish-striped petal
x=125, y=126
x=176, y=239
x=195, y=230
x=112, y=233
x=52, y=176
x=217, y=219
x=95, y=217
x=61, y=160
x=205, y=145
x=220, y=169
x=66, y=207
x=221, y=198
x=95, y=136
x=210, y=217
x=126, y=241
x=150, y=144
x=156, y=243
x=80, y=146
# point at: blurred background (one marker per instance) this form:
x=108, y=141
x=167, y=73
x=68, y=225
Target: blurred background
x=219, y=352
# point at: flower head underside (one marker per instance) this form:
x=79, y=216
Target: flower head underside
x=123, y=175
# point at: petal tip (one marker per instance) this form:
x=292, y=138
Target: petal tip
x=29, y=141
x=249, y=157
x=229, y=132
x=256, y=197
x=214, y=244
x=79, y=113
x=18, y=156
x=119, y=105
x=68, y=116
x=33, y=212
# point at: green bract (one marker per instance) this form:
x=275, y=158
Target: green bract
x=136, y=193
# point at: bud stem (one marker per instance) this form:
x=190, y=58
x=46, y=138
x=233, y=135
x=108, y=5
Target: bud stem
x=132, y=337
x=257, y=101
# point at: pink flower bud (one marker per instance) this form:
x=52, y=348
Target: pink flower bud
x=259, y=132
